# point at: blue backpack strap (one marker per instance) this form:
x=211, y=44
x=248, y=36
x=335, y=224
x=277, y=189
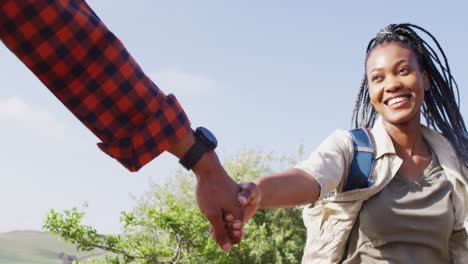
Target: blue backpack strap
x=360, y=171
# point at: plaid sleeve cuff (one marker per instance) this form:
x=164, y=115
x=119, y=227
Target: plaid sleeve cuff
x=166, y=127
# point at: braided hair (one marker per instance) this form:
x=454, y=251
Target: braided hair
x=441, y=102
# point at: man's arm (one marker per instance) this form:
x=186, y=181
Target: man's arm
x=88, y=69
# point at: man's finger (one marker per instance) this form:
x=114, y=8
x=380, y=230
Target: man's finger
x=237, y=225
x=219, y=231
x=229, y=218
x=237, y=233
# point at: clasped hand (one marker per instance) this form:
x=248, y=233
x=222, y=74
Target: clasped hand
x=227, y=224
x=224, y=203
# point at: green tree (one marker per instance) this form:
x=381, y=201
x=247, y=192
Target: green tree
x=167, y=227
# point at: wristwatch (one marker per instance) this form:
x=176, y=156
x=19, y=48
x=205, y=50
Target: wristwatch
x=204, y=142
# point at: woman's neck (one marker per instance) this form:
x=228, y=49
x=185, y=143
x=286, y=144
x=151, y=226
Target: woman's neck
x=407, y=139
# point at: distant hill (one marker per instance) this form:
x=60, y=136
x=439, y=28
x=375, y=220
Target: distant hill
x=28, y=247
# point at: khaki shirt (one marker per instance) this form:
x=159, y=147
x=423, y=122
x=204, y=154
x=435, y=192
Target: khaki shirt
x=329, y=220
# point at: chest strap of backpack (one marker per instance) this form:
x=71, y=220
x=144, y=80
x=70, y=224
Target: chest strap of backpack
x=360, y=171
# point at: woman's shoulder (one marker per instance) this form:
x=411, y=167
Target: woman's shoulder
x=338, y=135
x=339, y=140
x=445, y=151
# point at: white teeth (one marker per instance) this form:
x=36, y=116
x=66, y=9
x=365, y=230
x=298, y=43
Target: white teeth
x=397, y=100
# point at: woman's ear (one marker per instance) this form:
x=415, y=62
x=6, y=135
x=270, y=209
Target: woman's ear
x=427, y=84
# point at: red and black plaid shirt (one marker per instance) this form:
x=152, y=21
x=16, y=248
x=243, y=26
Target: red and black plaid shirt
x=66, y=45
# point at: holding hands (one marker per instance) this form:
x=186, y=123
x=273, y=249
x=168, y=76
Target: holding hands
x=216, y=195
x=249, y=197
x=289, y=188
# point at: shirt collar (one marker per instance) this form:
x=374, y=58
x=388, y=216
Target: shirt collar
x=383, y=144
x=439, y=144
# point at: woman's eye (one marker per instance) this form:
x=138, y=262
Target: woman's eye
x=376, y=78
x=404, y=70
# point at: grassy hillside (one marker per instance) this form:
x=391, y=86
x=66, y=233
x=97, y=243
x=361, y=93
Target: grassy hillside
x=26, y=247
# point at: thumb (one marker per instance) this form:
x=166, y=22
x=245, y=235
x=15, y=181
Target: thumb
x=247, y=194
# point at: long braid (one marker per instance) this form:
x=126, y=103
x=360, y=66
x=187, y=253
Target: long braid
x=441, y=102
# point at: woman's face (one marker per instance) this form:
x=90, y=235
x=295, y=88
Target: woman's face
x=396, y=83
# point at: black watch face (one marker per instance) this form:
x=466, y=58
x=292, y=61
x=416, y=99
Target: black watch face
x=207, y=136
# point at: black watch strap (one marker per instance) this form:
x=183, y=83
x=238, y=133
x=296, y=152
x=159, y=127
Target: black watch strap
x=194, y=154
x=204, y=142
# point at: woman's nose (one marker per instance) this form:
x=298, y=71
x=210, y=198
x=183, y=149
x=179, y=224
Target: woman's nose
x=392, y=84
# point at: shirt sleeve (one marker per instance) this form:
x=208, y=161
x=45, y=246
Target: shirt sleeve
x=88, y=69
x=329, y=163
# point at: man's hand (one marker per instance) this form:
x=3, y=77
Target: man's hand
x=217, y=195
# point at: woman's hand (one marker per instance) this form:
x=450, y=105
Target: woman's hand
x=290, y=188
x=249, y=197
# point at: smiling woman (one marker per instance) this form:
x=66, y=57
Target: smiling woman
x=396, y=83
x=396, y=89
x=440, y=106
x=419, y=178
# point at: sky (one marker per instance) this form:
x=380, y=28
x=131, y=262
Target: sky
x=265, y=74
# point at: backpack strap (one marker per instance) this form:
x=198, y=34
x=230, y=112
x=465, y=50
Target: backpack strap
x=362, y=164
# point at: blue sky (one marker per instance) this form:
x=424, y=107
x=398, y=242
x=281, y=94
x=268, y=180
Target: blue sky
x=262, y=74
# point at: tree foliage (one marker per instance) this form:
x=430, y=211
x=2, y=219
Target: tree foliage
x=167, y=227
